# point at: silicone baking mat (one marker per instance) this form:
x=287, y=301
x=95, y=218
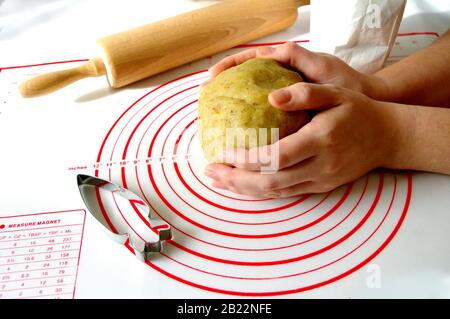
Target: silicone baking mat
x=351, y=242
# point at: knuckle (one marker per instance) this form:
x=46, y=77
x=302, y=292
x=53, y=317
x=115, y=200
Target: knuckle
x=316, y=125
x=283, y=160
x=289, y=49
x=332, y=167
x=226, y=61
x=329, y=134
x=336, y=90
x=324, y=63
x=341, y=93
x=331, y=139
x=305, y=91
x=230, y=178
x=291, y=46
x=329, y=165
x=324, y=187
x=268, y=184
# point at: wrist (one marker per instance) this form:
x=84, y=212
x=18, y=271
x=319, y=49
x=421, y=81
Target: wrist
x=398, y=128
x=375, y=87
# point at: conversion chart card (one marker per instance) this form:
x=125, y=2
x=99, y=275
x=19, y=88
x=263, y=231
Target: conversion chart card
x=39, y=254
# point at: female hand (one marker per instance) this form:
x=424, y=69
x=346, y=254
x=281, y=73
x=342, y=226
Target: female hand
x=349, y=137
x=314, y=67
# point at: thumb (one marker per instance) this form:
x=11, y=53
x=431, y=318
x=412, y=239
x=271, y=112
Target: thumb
x=306, y=96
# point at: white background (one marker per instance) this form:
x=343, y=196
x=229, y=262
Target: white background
x=40, y=138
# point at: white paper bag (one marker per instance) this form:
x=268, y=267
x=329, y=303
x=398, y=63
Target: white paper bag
x=360, y=32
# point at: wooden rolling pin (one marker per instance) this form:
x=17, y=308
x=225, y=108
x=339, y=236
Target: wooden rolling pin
x=136, y=54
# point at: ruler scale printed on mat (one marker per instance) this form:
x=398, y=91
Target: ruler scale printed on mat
x=223, y=242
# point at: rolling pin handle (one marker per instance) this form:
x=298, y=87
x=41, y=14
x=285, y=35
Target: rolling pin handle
x=50, y=82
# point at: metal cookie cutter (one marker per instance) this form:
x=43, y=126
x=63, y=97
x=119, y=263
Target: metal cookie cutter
x=124, y=215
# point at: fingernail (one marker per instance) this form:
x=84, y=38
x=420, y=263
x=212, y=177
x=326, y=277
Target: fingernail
x=281, y=96
x=266, y=50
x=210, y=173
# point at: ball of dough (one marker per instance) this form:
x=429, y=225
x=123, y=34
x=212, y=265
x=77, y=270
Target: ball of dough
x=236, y=102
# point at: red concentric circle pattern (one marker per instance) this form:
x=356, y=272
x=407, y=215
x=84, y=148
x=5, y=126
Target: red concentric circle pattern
x=236, y=245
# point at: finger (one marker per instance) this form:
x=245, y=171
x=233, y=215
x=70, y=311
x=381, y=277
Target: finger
x=250, y=160
x=253, y=183
x=299, y=173
x=299, y=189
x=286, y=152
x=231, y=61
x=306, y=96
x=293, y=55
x=235, y=180
x=219, y=185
